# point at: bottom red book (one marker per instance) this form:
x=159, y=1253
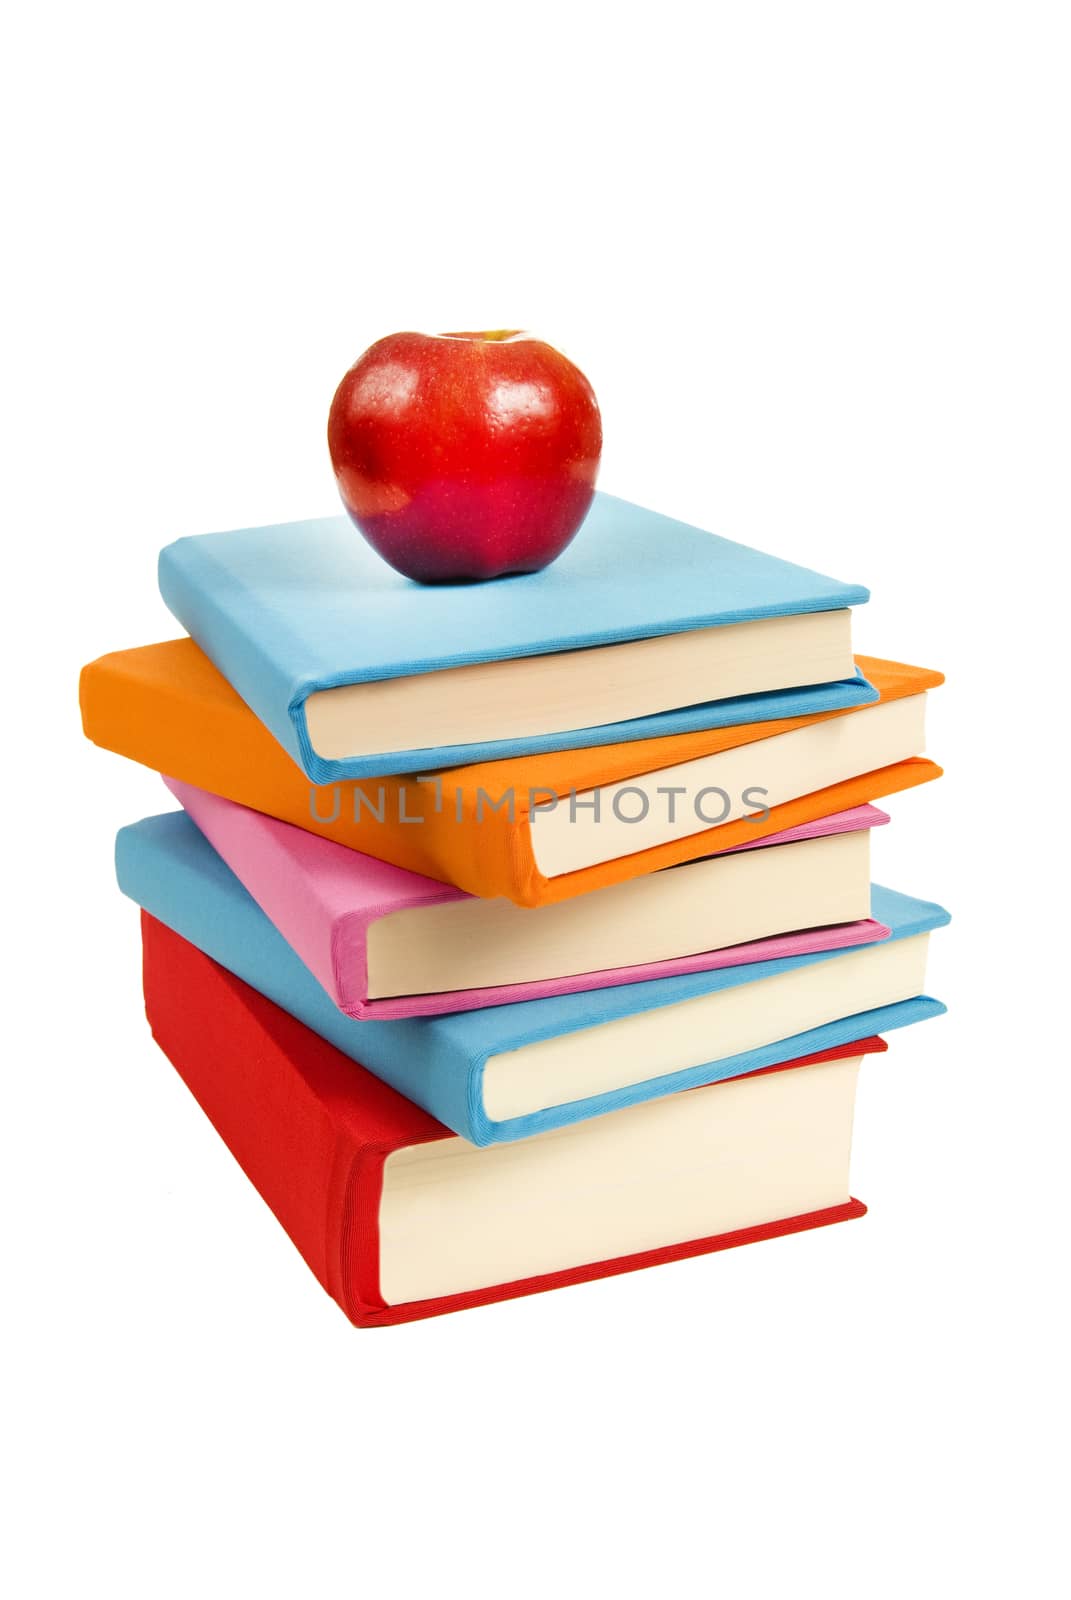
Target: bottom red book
x=400, y=1219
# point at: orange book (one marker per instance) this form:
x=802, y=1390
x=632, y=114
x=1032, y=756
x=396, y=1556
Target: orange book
x=516, y=828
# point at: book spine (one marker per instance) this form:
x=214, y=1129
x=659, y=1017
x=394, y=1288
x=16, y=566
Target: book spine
x=264, y=861
x=271, y=1118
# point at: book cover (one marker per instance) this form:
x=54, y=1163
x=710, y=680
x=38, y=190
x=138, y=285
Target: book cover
x=324, y=899
x=312, y=1132
x=168, y=707
x=168, y=868
x=286, y=612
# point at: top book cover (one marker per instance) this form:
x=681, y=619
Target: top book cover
x=645, y=626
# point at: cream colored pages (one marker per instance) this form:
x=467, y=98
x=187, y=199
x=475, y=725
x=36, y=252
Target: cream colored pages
x=533, y=695
x=706, y=905
x=734, y=1155
x=641, y=813
x=652, y=1044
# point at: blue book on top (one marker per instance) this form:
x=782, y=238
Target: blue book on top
x=509, y=1071
x=644, y=627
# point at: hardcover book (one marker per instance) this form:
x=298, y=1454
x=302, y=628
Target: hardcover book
x=385, y=943
x=644, y=626
x=399, y=1220
x=509, y=1071
x=490, y=829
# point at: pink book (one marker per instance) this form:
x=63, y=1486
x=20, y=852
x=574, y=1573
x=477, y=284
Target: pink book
x=386, y=943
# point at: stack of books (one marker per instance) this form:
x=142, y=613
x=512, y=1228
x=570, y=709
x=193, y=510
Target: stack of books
x=519, y=933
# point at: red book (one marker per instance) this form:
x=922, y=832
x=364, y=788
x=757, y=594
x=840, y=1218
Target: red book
x=400, y=1219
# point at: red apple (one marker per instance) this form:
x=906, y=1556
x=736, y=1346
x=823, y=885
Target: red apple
x=465, y=456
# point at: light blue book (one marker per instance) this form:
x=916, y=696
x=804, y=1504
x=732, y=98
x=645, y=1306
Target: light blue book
x=509, y=1071
x=643, y=627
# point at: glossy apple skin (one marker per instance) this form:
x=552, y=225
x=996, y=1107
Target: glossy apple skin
x=463, y=457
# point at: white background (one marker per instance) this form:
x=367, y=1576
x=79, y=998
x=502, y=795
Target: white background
x=814, y=258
